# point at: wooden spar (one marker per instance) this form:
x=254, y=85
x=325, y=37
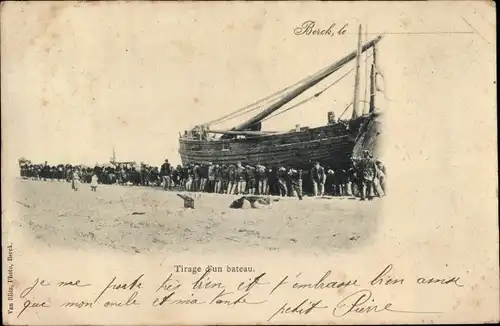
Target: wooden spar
x=373, y=80
x=287, y=98
x=365, y=77
x=355, y=102
x=246, y=132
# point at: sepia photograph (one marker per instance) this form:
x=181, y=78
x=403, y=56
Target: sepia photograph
x=185, y=163
x=238, y=160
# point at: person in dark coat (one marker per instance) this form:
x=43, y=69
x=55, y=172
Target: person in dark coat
x=272, y=180
x=251, y=179
x=203, y=177
x=224, y=178
x=165, y=174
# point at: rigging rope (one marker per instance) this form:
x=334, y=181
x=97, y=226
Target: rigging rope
x=347, y=107
x=379, y=72
x=248, y=108
x=309, y=98
x=251, y=107
x=232, y=116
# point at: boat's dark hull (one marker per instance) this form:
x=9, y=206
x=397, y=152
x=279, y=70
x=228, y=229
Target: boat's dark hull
x=331, y=145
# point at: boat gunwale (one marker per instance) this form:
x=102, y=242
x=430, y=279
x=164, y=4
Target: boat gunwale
x=276, y=136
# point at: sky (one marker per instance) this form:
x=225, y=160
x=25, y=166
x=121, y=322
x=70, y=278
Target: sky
x=80, y=79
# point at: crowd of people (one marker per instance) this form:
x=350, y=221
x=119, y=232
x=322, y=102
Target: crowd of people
x=364, y=178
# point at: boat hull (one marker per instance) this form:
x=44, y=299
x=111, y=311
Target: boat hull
x=331, y=145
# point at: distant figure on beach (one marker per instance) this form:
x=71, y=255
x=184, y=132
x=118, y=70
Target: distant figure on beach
x=75, y=182
x=93, y=183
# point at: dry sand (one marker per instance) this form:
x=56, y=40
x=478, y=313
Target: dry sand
x=139, y=219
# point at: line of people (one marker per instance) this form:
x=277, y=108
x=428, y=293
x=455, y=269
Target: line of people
x=132, y=174
x=364, y=178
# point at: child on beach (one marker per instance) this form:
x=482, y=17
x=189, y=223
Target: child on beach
x=93, y=184
x=75, y=182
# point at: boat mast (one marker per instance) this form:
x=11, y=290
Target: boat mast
x=113, y=158
x=325, y=73
x=355, y=102
x=365, y=77
x=373, y=80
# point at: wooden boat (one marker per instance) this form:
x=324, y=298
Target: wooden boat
x=333, y=145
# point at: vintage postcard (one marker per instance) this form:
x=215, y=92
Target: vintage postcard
x=202, y=163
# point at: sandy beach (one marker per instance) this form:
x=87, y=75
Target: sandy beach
x=138, y=219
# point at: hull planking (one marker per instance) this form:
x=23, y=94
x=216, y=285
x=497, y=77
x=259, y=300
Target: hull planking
x=331, y=145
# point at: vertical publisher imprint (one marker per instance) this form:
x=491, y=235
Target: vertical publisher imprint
x=10, y=279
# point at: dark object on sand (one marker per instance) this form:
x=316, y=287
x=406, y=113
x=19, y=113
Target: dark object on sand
x=251, y=202
x=138, y=213
x=25, y=205
x=188, y=201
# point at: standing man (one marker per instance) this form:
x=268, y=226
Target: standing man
x=189, y=172
x=282, y=181
x=60, y=172
x=368, y=175
x=355, y=177
x=251, y=180
x=197, y=177
x=296, y=182
x=45, y=171
x=261, y=180
x=272, y=180
x=339, y=181
x=330, y=182
x=218, y=179
x=232, y=184
x=211, y=177
x=144, y=174
x=203, y=177
x=240, y=178
x=165, y=171
x=75, y=179
x=318, y=178
x=224, y=178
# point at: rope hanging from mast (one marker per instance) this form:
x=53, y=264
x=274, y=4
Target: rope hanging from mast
x=234, y=115
x=345, y=110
